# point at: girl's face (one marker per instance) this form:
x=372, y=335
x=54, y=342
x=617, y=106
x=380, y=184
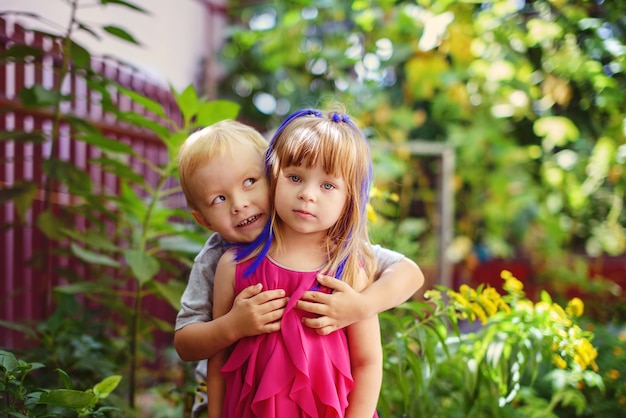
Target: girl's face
x=309, y=200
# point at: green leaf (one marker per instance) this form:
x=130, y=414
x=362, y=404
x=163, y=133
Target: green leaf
x=139, y=120
x=49, y=225
x=215, y=111
x=93, y=258
x=23, y=137
x=106, y=386
x=171, y=292
x=19, y=328
x=68, y=398
x=188, y=103
x=143, y=266
x=18, y=190
x=120, y=33
x=125, y=4
x=77, y=180
x=145, y=102
x=80, y=56
x=79, y=288
x=18, y=52
x=65, y=378
x=94, y=239
x=119, y=168
x=81, y=125
x=7, y=361
x=180, y=243
x=39, y=96
x=106, y=144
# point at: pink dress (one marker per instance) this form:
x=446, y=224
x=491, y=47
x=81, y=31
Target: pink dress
x=290, y=373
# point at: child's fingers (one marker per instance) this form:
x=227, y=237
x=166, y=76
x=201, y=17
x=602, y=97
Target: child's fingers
x=316, y=307
x=250, y=291
x=332, y=283
x=268, y=295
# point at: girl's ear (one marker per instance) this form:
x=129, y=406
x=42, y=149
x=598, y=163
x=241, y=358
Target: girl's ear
x=201, y=219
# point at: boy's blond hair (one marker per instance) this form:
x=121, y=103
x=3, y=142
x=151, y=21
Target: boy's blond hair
x=214, y=141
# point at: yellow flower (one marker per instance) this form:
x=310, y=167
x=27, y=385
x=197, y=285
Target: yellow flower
x=512, y=285
x=488, y=305
x=622, y=336
x=613, y=374
x=505, y=274
x=432, y=294
x=622, y=400
x=558, y=361
x=575, y=307
x=479, y=312
x=371, y=214
x=618, y=351
x=467, y=292
x=585, y=354
x=459, y=299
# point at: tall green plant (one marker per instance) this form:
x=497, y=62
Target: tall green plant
x=133, y=237
x=476, y=353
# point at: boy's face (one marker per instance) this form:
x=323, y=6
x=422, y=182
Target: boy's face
x=232, y=196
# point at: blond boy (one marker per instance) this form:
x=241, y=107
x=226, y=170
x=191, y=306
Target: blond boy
x=222, y=174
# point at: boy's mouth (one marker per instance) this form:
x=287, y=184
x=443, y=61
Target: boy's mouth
x=248, y=221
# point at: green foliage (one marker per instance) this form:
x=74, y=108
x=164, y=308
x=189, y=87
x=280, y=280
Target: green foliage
x=529, y=94
x=475, y=353
x=19, y=398
x=133, y=242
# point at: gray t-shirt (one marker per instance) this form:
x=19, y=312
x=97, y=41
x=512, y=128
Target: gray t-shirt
x=197, y=300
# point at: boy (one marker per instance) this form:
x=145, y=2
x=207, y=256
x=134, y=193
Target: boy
x=222, y=173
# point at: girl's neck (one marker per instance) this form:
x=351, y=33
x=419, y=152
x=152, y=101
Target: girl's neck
x=300, y=251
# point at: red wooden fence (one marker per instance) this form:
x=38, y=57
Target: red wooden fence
x=24, y=293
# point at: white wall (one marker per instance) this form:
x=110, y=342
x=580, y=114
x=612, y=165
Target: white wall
x=174, y=37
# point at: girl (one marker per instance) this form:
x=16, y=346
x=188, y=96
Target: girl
x=319, y=169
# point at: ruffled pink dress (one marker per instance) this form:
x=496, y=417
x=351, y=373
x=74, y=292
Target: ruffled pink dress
x=290, y=373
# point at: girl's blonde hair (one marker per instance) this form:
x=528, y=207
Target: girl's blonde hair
x=309, y=137
x=222, y=138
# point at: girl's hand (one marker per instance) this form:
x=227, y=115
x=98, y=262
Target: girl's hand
x=255, y=312
x=336, y=310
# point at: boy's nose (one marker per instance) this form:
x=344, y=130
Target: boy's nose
x=239, y=204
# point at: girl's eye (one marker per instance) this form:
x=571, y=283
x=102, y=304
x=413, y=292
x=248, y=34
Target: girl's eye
x=294, y=178
x=249, y=182
x=327, y=186
x=218, y=199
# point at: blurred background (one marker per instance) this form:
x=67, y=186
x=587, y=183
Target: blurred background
x=498, y=129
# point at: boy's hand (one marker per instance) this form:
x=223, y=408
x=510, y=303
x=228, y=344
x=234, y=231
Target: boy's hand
x=336, y=310
x=257, y=312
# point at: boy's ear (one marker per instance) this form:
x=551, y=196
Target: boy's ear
x=200, y=219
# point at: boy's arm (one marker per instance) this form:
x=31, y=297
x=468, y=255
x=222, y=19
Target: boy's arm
x=366, y=359
x=253, y=312
x=345, y=306
x=224, y=296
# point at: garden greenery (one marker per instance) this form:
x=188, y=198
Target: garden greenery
x=476, y=353
x=465, y=353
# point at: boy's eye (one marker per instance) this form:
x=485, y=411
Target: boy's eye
x=249, y=182
x=218, y=199
x=327, y=186
x=294, y=178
